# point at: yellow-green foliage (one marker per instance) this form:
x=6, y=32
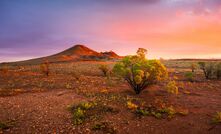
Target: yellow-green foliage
x=3, y=126
x=104, y=68
x=169, y=110
x=79, y=113
x=157, y=113
x=217, y=118
x=105, y=127
x=189, y=76
x=193, y=67
x=172, y=87
x=90, y=111
x=78, y=116
x=4, y=69
x=131, y=105
x=211, y=69
x=218, y=70
x=140, y=72
x=6, y=125
x=45, y=68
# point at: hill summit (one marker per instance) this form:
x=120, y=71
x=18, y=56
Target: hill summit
x=75, y=53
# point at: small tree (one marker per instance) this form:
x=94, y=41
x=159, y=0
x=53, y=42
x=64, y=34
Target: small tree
x=193, y=67
x=45, y=68
x=207, y=69
x=189, y=76
x=4, y=69
x=140, y=72
x=104, y=68
x=218, y=70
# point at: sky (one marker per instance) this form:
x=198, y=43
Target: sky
x=166, y=28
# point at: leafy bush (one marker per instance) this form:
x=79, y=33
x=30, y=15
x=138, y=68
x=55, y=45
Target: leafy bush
x=104, y=68
x=4, y=69
x=131, y=105
x=45, y=68
x=218, y=70
x=78, y=116
x=193, y=67
x=89, y=111
x=172, y=87
x=211, y=69
x=75, y=72
x=140, y=72
x=3, y=126
x=189, y=76
x=217, y=118
x=207, y=69
x=105, y=127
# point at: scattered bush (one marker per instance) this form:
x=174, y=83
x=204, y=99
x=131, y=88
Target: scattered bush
x=170, y=111
x=189, y=76
x=140, y=72
x=45, y=68
x=4, y=69
x=193, y=67
x=79, y=112
x=6, y=125
x=172, y=87
x=87, y=111
x=142, y=112
x=131, y=105
x=218, y=70
x=105, y=127
x=207, y=69
x=211, y=69
x=3, y=126
x=78, y=116
x=104, y=68
x=217, y=118
x=156, y=112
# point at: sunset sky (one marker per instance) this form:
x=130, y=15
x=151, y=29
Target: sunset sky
x=166, y=28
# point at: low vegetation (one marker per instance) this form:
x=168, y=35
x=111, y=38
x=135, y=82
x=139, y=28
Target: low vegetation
x=6, y=125
x=151, y=110
x=105, y=69
x=193, y=67
x=189, y=76
x=140, y=72
x=211, y=70
x=217, y=118
x=171, y=87
x=45, y=68
x=89, y=111
x=105, y=127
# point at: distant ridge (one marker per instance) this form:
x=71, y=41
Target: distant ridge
x=195, y=59
x=75, y=53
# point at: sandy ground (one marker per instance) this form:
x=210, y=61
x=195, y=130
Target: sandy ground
x=44, y=112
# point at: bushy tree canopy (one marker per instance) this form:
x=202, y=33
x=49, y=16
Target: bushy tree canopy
x=140, y=72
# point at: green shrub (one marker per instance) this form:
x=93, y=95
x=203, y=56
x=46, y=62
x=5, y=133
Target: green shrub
x=211, y=69
x=172, y=87
x=105, y=127
x=140, y=72
x=218, y=70
x=207, y=68
x=78, y=116
x=3, y=126
x=104, y=68
x=193, y=67
x=217, y=118
x=4, y=69
x=45, y=68
x=189, y=76
x=142, y=112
